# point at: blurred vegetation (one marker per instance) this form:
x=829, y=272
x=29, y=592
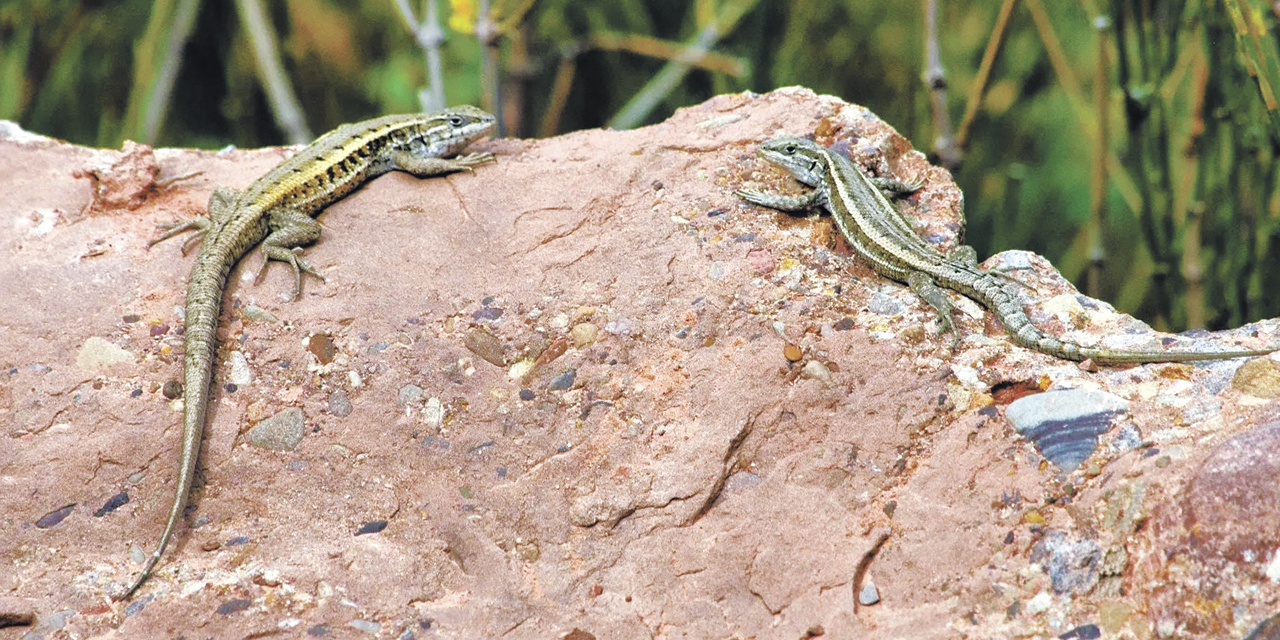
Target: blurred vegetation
x=1133, y=143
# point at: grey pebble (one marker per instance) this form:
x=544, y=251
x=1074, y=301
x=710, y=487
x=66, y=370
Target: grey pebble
x=1064, y=425
x=340, y=404
x=281, y=432
x=410, y=394
x=366, y=626
x=869, y=595
x=886, y=305
x=563, y=381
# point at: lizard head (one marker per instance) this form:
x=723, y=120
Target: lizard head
x=805, y=159
x=456, y=127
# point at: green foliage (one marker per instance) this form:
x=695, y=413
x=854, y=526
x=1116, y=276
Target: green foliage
x=1134, y=143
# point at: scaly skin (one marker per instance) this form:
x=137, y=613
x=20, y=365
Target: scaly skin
x=276, y=211
x=878, y=233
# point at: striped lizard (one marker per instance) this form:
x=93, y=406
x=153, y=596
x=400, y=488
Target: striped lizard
x=880, y=234
x=276, y=213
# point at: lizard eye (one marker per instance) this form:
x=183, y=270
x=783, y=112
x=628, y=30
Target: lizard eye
x=456, y=121
x=789, y=149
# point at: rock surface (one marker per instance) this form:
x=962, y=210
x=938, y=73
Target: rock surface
x=585, y=392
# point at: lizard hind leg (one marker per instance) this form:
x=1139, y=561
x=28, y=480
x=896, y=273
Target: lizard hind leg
x=291, y=230
x=929, y=291
x=222, y=205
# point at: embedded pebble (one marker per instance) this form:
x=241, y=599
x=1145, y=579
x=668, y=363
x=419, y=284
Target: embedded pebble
x=563, y=381
x=1039, y=603
x=1072, y=565
x=410, y=394
x=254, y=312
x=1259, y=377
x=366, y=626
x=886, y=305
x=792, y=352
x=1233, y=501
x=1127, y=438
x=98, y=354
x=281, y=432
x=234, y=606
x=1268, y=630
x=54, y=517
x=1082, y=632
x=321, y=346
x=339, y=404
x=483, y=343
x=762, y=261
x=488, y=313
x=520, y=369
x=843, y=324
x=239, y=374
x=619, y=327
x=116, y=501
x=1064, y=425
x=716, y=271
x=433, y=413
x=373, y=526
x=583, y=334
x=869, y=595
x=814, y=370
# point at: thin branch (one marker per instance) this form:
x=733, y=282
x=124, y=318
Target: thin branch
x=429, y=35
x=666, y=80
x=995, y=44
x=935, y=78
x=284, y=104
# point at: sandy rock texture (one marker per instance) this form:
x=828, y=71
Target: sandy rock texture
x=585, y=392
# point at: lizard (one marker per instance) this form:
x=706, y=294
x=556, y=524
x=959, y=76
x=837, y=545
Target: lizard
x=276, y=213
x=881, y=235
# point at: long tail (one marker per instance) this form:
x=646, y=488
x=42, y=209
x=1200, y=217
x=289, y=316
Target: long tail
x=203, y=307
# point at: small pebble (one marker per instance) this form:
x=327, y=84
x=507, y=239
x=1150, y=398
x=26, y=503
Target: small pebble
x=1039, y=603
x=869, y=595
x=281, y=432
x=234, y=606
x=814, y=370
x=373, y=526
x=240, y=374
x=116, y=501
x=583, y=334
x=54, y=517
x=339, y=404
x=483, y=343
x=321, y=346
x=410, y=394
x=792, y=353
x=563, y=381
x=1082, y=632
x=433, y=414
x=366, y=626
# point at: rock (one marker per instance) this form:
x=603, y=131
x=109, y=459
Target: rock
x=682, y=485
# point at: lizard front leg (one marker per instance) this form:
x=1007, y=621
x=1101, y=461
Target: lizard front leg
x=789, y=204
x=929, y=291
x=424, y=167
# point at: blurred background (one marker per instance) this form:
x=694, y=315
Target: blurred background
x=1133, y=143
